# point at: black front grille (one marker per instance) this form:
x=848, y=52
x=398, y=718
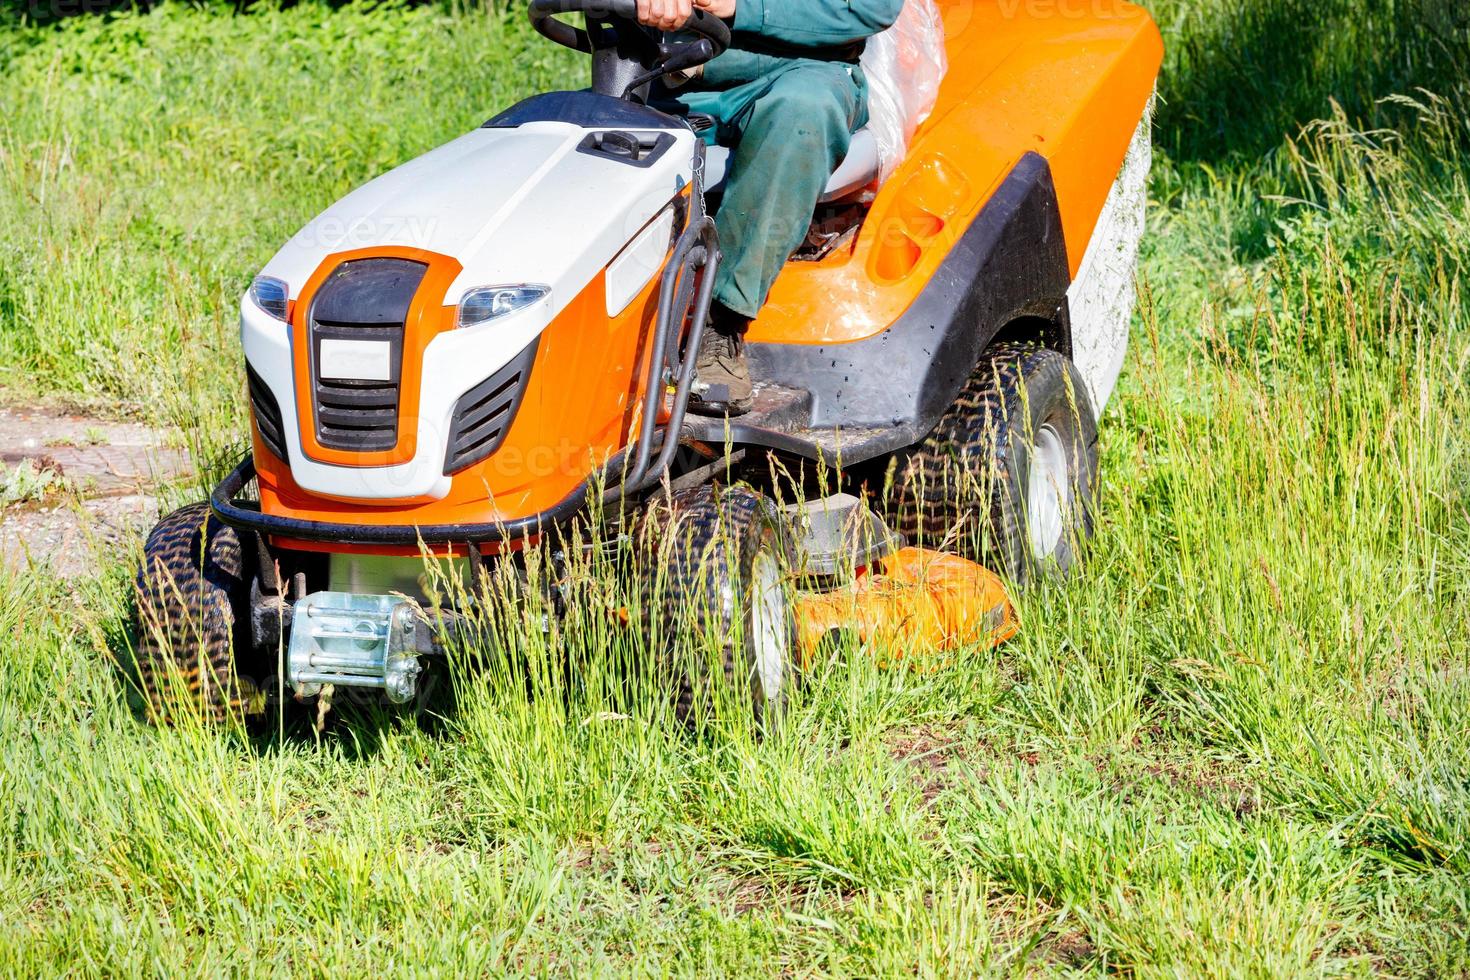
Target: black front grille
x=352, y=414
x=482, y=416
x=362, y=300
x=267, y=414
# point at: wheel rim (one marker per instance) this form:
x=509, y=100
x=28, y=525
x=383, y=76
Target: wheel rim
x=770, y=637
x=1047, y=492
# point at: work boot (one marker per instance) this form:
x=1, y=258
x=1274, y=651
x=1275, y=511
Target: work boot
x=721, y=372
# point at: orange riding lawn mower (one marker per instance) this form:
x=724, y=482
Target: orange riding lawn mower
x=492, y=347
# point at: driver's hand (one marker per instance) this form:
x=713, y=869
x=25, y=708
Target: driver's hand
x=723, y=9
x=665, y=15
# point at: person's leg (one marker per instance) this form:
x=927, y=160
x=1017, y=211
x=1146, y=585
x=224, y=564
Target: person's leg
x=790, y=140
x=789, y=131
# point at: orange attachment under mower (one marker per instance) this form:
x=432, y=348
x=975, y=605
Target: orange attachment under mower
x=916, y=610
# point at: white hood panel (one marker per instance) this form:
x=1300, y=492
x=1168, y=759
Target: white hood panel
x=519, y=205
x=511, y=205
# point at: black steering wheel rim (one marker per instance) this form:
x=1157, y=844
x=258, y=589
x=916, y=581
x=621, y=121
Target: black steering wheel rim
x=542, y=13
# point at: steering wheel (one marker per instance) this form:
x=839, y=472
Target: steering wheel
x=707, y=26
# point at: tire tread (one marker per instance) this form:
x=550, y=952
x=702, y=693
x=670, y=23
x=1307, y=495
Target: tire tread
x=187, y=590
x=973, y=438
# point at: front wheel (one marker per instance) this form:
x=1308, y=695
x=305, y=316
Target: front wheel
x=189, y=594
x=716, y=603
x=1009, y=471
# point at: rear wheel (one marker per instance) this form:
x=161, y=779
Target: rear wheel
x=716, y=605
x=189, y=591
x=1008, y=472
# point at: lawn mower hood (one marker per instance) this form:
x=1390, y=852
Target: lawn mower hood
x=488, y=296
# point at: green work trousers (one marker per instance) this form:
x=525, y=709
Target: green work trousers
x=788, y=123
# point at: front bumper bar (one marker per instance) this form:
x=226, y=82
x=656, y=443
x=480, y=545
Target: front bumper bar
x=246, y=515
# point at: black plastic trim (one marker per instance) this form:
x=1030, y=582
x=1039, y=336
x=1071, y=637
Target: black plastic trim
x=267, y=412
x=648, y=150
x=483, y=415
x=587, y=109
x=874, y=396
x=362, y=299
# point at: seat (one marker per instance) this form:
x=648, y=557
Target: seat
x=857, y=170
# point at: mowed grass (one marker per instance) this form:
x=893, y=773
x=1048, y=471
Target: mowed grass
x=1235, y=744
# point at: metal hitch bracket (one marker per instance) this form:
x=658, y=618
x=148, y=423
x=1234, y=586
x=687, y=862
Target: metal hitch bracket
x=355, y=640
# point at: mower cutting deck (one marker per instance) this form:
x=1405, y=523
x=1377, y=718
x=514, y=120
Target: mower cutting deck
x=520, y=356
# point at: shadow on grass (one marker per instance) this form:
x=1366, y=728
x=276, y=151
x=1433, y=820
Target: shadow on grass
x=1241, y=74
x=356, y=720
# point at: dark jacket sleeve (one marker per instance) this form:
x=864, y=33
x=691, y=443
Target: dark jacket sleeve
x=815, y=23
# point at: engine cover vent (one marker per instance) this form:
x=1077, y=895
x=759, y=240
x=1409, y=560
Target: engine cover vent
x=482, y=416
x=267, y=414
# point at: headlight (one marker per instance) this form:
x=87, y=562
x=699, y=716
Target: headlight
x=485, y=303
x=269, y=293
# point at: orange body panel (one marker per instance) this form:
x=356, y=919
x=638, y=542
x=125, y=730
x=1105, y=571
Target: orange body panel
x=560, y=434
x=1067, y=79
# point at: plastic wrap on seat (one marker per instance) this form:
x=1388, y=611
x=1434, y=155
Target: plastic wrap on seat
x=904, y=65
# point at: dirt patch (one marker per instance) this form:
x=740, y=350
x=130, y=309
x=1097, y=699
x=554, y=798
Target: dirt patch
x=929, y=750
x=72, y=485
x=733, y=886
x=1211, y=781
x=1074, y=949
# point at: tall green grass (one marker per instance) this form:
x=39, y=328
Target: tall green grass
x=150, y=164
x=1234, y=745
